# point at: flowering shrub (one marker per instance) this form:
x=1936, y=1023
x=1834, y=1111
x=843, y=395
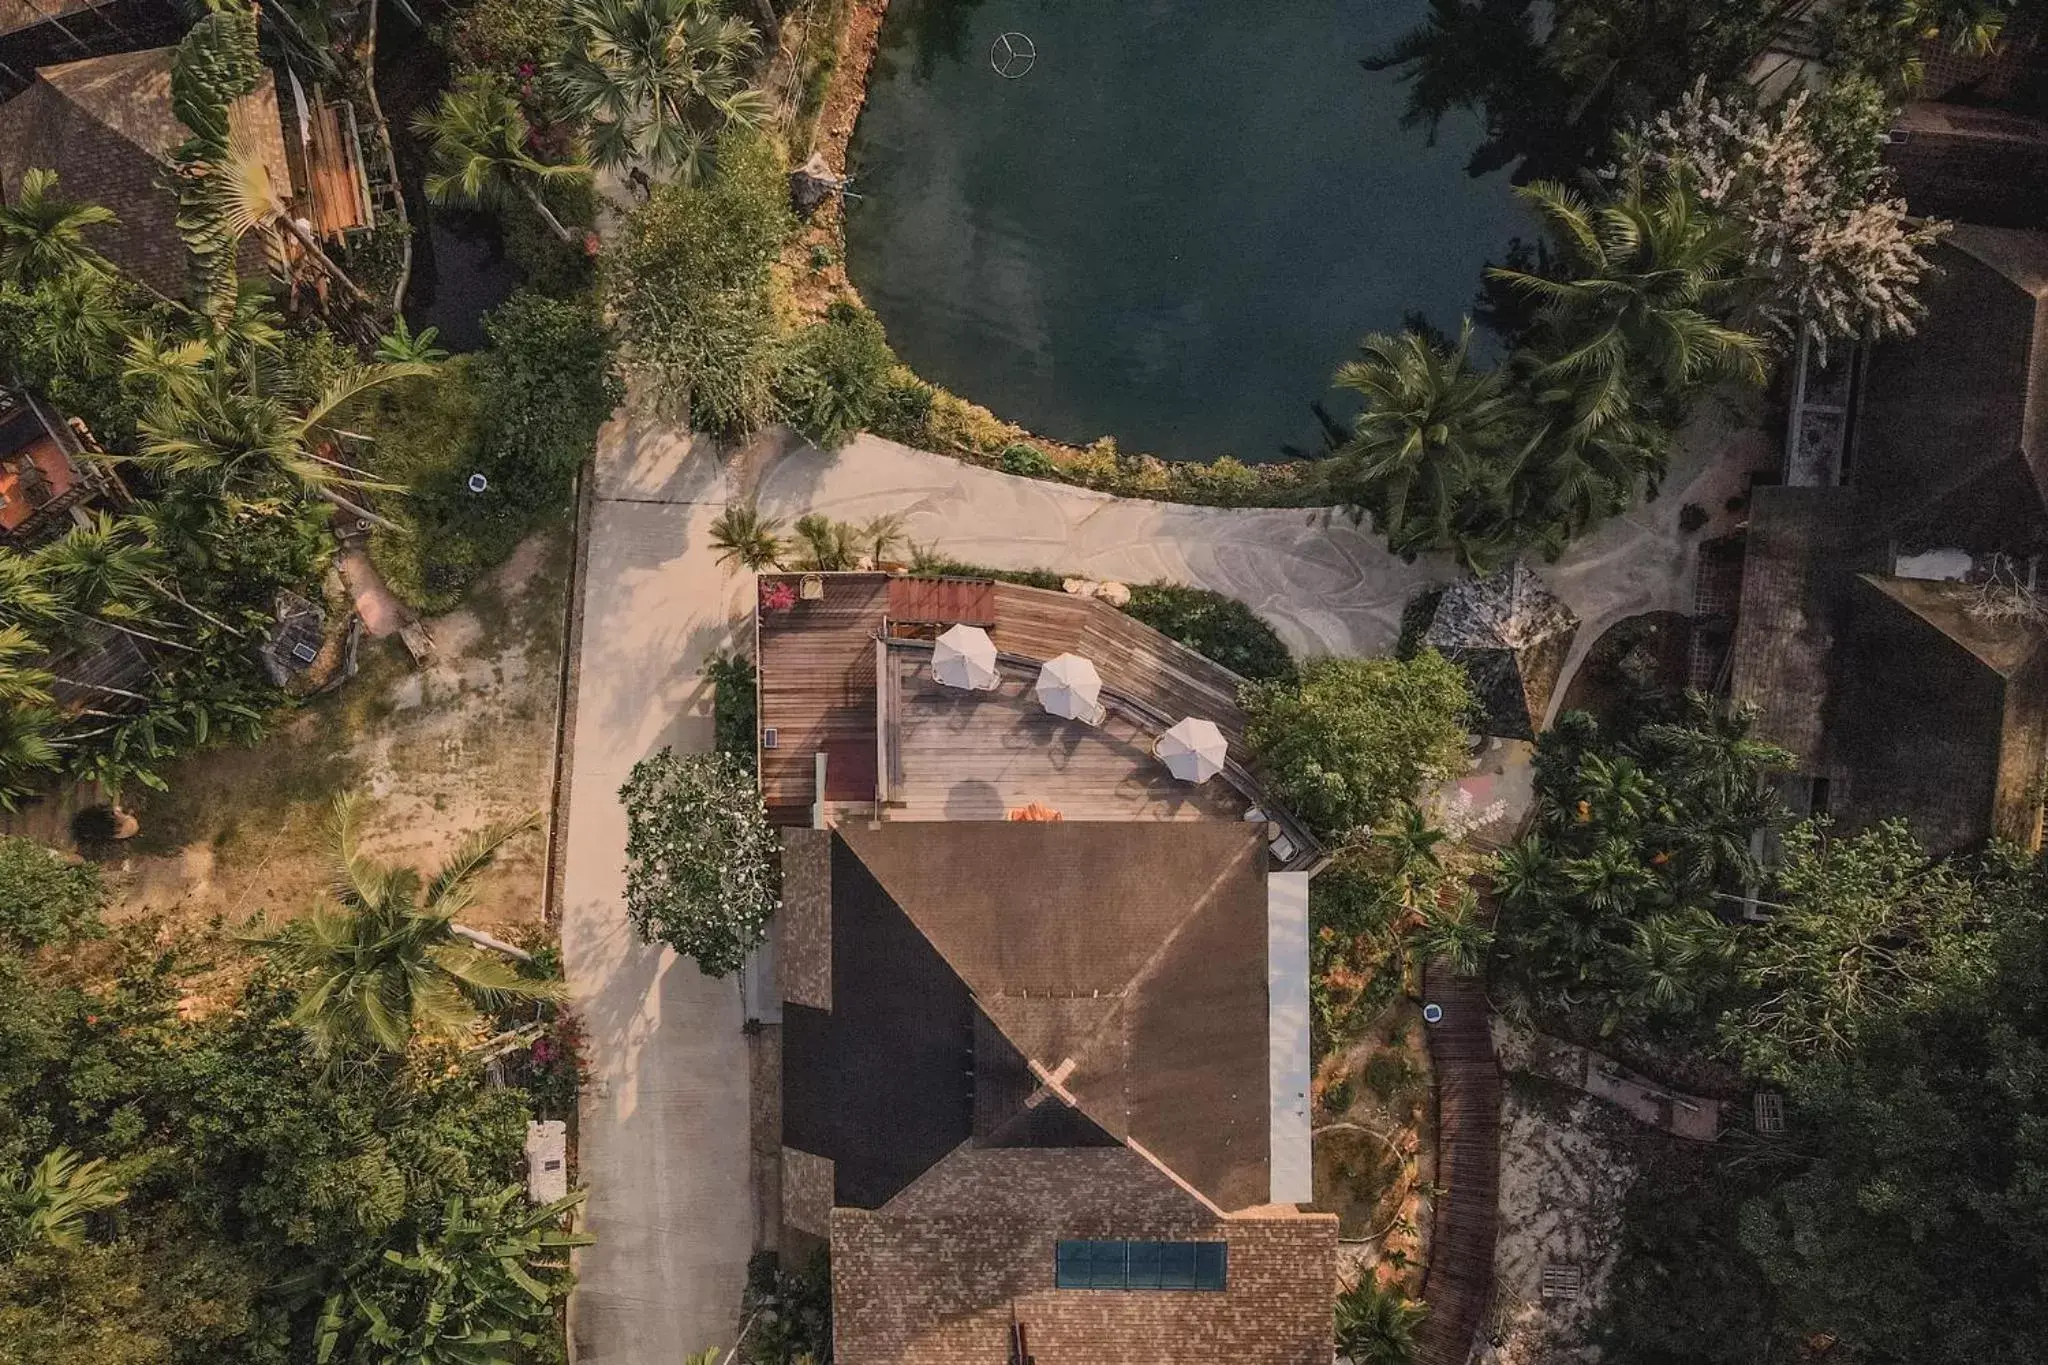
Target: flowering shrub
x=1833, y=251
x=777, y=596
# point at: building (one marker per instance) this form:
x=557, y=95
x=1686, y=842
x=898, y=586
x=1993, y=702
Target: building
x=1888, y=628
x=38, y=33
x=1043, y=1009
x=44, y=472
x=1512, y=636
x=105, y=126
x=1053, y=1075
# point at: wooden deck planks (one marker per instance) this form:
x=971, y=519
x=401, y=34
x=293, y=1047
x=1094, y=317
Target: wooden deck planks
x=817, y=690
x=1132, y=657
x=978, y=756
x=1458, y=1285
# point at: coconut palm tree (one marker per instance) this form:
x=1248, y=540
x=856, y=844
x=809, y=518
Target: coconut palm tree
x=827, y=544
x=654, y=81
x=28, y=755
x=224, y=408
x=22, y=681
x=741, y=534
x=1430, y=425
x=1377, y=1324
x=387, y=961
x=478, y=143
x=43, y=234
x=53, y=1197
x=1644, y=275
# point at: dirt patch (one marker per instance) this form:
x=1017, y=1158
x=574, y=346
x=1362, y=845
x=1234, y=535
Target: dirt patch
x=1565, y=1169
x=436, y=753
x=1372, y=1157
x=1635, y=657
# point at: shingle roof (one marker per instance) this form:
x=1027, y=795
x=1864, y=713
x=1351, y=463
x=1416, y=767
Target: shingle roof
x=1057, y=984
x=105, y=126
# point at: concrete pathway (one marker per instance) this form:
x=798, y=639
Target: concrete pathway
x=664, y=1127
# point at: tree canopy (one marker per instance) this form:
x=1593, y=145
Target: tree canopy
x=703, y=866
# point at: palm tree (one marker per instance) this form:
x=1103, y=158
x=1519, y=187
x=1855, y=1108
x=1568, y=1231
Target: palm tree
x=22, y=682
x=1455, y=935
x=42, y=234
x=654, y=81
x=27, y=754
x=477, y=140
x=1377, y=1324
x=1430, y=424
x=54, y=1196
x=388, y=961
x=485, y=1285
x=1644, y=275
x=224, y=407
x=883, y=534
x=741, y=534
x=827, y=544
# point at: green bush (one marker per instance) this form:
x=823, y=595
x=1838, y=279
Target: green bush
x=523, y=413
x=1028, y=460
x=691, y=283
x=546, y=263
x=1345, y=745
x=1214, y=626
x=514, y=38
x=735, y=707
x=546, y=386
x=903, y=412
x=44, y=899
x=835, y=376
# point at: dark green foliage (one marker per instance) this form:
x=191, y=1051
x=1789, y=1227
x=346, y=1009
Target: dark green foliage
x=43, y=899
x=1416, y=614
x=1684, y=1292
x=546, y=387
x=795, y=1310
x=513, y=38
x=735, y=709
x=523, y=413
x=1027, y=460
x=690, y=283
x=1214, y=626
x=903, y=409
x=835, y=378
x=1377, y=1324
x=547, y=264
x=1352, y=739
x=1610, y=897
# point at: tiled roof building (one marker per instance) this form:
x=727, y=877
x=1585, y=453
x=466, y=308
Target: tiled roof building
x=1044, y=1075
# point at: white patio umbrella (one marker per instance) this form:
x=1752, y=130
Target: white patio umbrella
x=965, y=657
x=1192, y=749
x=1069, y=686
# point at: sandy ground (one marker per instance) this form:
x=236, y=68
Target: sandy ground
x=1565, y=1170
x=436, y=754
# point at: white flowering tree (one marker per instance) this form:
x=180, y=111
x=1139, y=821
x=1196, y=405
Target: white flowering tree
x=1833, y=251
x=701, y=859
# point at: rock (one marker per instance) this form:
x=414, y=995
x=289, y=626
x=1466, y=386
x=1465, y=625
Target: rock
x=1116, y=594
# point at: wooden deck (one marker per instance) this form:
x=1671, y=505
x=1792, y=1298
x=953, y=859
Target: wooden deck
x=817, y=662
x=1458, y=1285
x=951, y=755
x=1132, y=657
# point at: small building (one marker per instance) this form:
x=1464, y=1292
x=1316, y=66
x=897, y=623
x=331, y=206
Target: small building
x=44, y=471
x=106, y=127
x=1512, y=636
x=299, y=652
x=1887, y=630
x=1052, y=1076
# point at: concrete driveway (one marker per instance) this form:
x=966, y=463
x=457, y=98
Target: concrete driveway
x=664, y=1127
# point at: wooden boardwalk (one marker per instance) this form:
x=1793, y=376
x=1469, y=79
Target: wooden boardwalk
x=817, y=691
x=1458, y=1285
